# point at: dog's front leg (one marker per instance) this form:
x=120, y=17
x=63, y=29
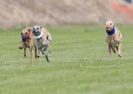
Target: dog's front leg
x=31, y=54
x=24, y=52
x=36, y=53
x=21, y=44
x=119, y=50
x=44, y=51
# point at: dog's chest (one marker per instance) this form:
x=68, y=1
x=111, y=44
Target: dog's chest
x=26, y=44
x=40, y=42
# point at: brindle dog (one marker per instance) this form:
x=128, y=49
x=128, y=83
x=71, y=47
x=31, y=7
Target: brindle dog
x=27, y=41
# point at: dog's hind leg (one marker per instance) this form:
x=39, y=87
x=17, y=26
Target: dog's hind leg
x=109, y=49
x=45, y=52
x=113, y=48
x=46, y=56
x=117, y=48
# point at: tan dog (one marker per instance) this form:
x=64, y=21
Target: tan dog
x=42, y=40
x=114, y=38
x=27, y=41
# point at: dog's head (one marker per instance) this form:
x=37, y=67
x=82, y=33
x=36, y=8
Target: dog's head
x=109, y=25
x=37, y=30
x=26, y=34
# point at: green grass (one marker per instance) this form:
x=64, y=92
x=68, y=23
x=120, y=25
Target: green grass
x=79, y=64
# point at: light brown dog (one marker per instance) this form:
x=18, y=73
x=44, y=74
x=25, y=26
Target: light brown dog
x=42, y=41
x=114, y=38
x=27, y=41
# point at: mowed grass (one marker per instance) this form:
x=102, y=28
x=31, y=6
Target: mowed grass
x=79, y=64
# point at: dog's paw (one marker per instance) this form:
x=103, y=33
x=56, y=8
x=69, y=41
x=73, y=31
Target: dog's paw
x=20, y=47
x=114, y=50
x=120, y=55
x=37, y=56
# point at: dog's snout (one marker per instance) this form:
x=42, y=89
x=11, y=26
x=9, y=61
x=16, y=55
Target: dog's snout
x=109, y=28
x=25, y=38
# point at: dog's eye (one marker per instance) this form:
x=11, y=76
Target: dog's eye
x=29, y=30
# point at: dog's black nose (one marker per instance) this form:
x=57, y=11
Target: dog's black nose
x=25, y=38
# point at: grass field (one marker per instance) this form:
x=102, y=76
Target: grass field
x=79, y=64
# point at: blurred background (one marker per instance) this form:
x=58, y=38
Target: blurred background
x=63, y=12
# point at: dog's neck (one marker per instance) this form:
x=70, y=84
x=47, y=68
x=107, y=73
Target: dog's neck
x=111, y=32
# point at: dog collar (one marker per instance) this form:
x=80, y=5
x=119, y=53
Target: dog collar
x=111, y=32
x=39, y=37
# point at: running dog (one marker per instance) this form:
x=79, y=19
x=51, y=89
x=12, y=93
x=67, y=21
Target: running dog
x=42, y=40
x=114, y=38
x=27, y=41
